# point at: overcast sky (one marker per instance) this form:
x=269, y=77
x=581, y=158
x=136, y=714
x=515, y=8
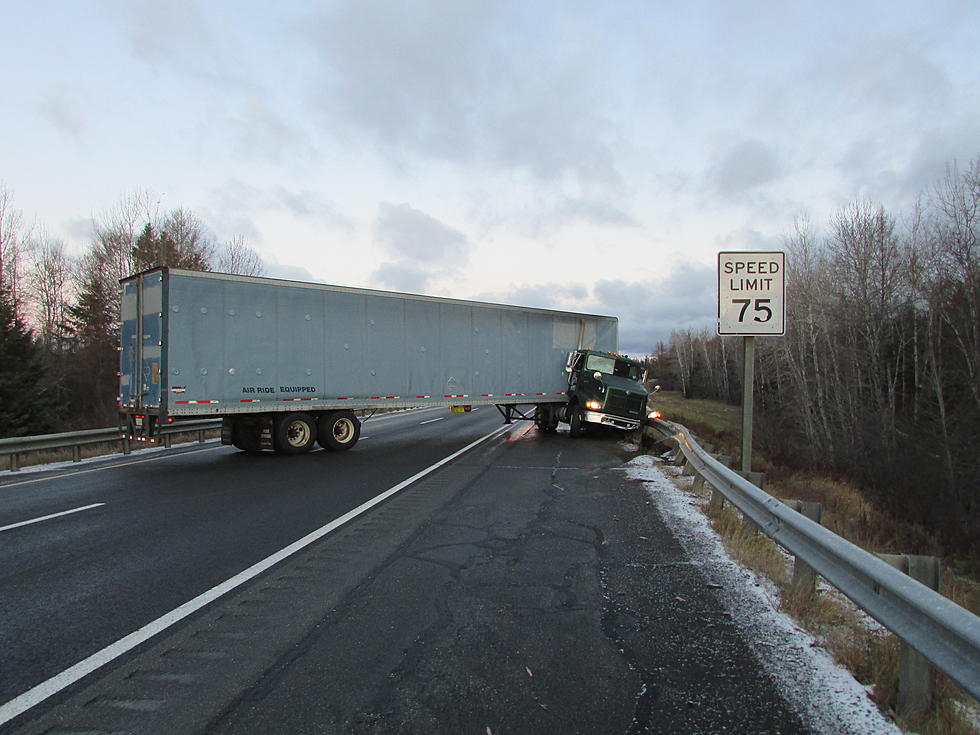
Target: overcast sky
x=590, y=156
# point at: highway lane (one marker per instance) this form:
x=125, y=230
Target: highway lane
x=526, y=586
x=174, y=525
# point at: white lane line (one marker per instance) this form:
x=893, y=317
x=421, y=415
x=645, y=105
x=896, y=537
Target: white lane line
x=422, y=423
x=53, y=515
x=34, y=696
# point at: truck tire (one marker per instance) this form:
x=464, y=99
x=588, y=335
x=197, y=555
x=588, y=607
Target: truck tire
x=338, y=430
x=576, y=426
x=545, y=418
x=293, y=433
x=245, y=436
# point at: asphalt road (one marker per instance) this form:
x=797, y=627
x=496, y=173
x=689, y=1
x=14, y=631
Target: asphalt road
x=174, y=525
x=526, y=586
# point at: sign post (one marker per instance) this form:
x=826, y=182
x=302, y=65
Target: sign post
x=751, y=302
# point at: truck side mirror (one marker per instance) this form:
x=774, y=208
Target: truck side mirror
x=597, y=375
x=656, y=388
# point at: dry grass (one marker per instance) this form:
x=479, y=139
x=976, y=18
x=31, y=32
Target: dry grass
x=869, y=652
x=711, y=419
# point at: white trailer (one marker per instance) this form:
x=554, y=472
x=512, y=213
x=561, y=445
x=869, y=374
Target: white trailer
x=287, y=363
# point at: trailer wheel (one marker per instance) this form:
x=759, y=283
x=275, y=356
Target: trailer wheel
x=294, y=433
x=545, y=418
x=576, y=426
x=338, y=430
x=245, y=436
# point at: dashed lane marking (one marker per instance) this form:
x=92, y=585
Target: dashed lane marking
x=52, y=515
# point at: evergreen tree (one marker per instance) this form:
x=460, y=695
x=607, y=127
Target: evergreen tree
x=22, y=408
x=92, y=320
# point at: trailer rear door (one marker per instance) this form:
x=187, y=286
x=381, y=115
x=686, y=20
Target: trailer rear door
x=141, y=335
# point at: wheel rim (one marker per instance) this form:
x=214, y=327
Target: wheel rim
x=343, y=430
x=298, y=434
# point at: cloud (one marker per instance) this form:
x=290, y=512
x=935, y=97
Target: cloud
x=177, y=35
x=411, y=235
x=560, y=296
x=262, y=134
x=234, y=203
x=420, y=246
x=648, y=311
x=745, y=166
x=478, y=84
x=64, y=109
x=288, y=272
x=402, y=277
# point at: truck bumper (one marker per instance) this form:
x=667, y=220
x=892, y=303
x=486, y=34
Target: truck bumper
x=139, y=427
x=594, y=417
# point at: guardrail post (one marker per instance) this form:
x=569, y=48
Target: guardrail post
x=717, y=499
x=14, y=462
x=126, y=449
x=200, y=436
x=915, y=675
x=759, y=480
x=76, y=453
x=804, y=577
x=167, y=441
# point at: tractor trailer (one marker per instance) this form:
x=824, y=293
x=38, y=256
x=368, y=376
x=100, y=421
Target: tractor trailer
x=286, y=365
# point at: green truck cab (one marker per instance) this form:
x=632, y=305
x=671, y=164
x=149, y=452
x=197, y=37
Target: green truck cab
x=604, y=389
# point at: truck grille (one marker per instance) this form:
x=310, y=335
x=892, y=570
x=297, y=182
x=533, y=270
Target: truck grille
x=624, y=404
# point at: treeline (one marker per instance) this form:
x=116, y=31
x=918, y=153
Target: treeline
x=878, y=375
x=59, y=313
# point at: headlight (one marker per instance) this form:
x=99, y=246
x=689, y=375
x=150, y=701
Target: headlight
x=654, y=415
x=593, y=405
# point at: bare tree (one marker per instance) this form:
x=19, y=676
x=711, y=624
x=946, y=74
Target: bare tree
x=11, y=234
x=191, y=237
x=954, y=235
x=118, y=228
x=48, y=286
x=239, y=258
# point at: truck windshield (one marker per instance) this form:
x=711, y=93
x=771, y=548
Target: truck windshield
x=612, y=366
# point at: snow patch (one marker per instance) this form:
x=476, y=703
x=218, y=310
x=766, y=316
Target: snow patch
x=826, y=695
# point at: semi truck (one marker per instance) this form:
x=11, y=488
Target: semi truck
x=287, y=365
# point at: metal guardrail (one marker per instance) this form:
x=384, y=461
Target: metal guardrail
x=943, y=632
x=75, y=440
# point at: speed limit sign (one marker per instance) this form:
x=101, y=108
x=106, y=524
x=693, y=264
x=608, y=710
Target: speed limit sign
x=751, y=293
